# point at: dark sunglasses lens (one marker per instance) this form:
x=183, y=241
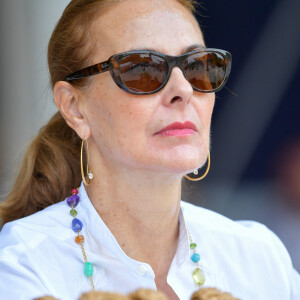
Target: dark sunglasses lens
x=206, y=70
x=143, y=72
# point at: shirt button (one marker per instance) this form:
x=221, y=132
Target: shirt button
x=142, y=269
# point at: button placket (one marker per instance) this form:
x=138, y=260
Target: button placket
x=142, y=270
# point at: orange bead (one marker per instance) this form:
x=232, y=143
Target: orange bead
x=79, y=239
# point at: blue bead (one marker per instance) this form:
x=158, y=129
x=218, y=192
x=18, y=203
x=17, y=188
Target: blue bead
x=76, y=225
x=195, y=257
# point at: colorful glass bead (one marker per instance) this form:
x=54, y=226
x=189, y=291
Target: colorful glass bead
x=79, y=239
x=76, y=225
x=199, y=277
x=74, y=192
x=195, y=257
x=193, y=245
x=73, y=200
x=73, y=212
x=88, y=269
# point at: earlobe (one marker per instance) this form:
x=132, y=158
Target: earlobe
x=67, y=101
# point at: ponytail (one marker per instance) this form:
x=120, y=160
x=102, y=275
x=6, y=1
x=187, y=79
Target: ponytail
x=49, y=171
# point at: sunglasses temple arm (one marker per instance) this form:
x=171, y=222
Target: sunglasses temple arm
x=90, y=71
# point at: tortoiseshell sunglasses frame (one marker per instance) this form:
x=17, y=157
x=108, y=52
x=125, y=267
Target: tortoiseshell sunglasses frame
x=112, y=65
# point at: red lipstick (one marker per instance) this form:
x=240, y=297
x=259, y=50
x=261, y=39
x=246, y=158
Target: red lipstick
x=178, y=129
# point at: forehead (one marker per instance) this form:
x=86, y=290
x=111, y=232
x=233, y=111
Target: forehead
x=163, y=25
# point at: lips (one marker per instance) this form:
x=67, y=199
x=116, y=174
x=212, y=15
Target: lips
x=178, y=129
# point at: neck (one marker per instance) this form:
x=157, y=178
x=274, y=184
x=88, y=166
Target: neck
x=141, y=210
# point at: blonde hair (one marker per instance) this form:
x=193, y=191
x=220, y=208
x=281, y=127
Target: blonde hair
x=50, y=167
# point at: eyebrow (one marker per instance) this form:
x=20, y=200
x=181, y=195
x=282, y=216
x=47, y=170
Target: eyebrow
x=185, y=50
x=193, y=47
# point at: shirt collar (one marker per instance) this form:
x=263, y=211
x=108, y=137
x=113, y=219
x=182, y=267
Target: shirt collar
x=183, y=248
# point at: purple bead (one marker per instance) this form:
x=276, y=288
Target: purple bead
x=73, y=200
x=76, y=225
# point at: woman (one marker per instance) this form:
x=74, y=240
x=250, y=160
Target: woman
x=144, y=125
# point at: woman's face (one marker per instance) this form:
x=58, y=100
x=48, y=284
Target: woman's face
x=124, y=127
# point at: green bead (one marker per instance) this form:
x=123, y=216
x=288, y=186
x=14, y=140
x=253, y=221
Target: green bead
x=193, y=245
x=88, y=269
x=199, y=277
x=73, y=212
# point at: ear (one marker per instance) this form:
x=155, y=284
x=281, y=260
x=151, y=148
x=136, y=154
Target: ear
x=66, y=98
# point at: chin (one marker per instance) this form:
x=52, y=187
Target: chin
x=187, y=156
x=181, y=159
x=181, y=163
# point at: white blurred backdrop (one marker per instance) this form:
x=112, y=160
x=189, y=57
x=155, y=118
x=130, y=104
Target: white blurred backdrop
x=26, y=98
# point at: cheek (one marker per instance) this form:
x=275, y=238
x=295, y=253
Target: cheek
x=117, y=120
x=205, y=110
x=209, y=112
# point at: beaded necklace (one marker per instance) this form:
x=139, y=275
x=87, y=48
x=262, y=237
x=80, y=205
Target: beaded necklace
x=73, y=200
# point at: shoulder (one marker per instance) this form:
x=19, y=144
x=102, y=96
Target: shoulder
x=214, y=221
x=250, y=245
x=28, y=233
x=34, y=249
x=243, y=233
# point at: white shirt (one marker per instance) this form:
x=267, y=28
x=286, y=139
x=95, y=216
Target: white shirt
x=38, y=257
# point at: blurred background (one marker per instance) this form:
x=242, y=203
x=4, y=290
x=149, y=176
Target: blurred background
x=255, y=172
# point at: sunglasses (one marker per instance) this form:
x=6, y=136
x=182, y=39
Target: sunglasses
x=147, y=72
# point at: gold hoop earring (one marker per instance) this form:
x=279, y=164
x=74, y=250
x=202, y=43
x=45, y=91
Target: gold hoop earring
x=196, y=171
x=89, y=172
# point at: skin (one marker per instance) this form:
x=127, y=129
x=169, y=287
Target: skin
x=137, y=174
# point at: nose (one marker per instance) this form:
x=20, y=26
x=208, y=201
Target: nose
x=178, y=89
